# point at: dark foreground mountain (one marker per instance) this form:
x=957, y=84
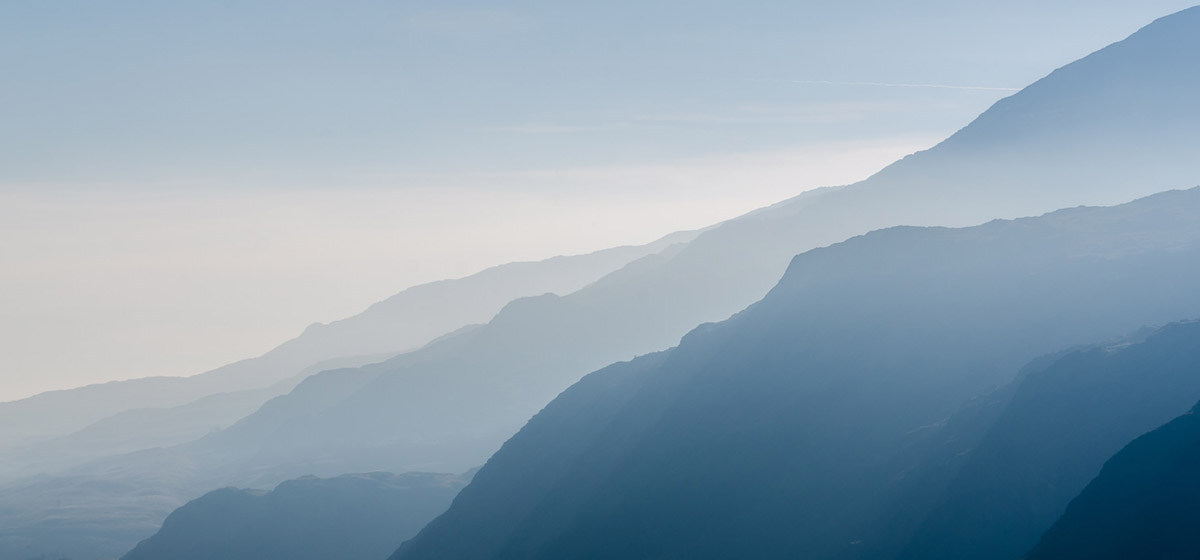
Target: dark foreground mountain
x=351, y=517
x=1062, y=423
x=782, y=431
x=1142, y=505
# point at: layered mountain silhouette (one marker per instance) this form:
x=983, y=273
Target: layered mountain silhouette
x=83, y=502
x=144, y=428
x=1142, y=505
x=1060, y=426
x=402, y=322
x=1101, y=130
x=1080, y=129
x=1009, y=162
x=350, y=517
x=782, y=431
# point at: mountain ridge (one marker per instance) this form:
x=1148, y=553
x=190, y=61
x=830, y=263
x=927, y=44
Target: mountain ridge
x=402, y=322
x=1058, y=427
x=356, y=516
x=1140, y=505
x=398, y=420
x=860, y=345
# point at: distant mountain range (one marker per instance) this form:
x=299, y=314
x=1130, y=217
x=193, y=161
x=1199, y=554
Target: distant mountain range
x=350, y=517
x=98, y=506
x=403, y=322
x=783, y=432
x=1067, y=140
x=891, y=331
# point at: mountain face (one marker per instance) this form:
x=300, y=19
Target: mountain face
x=782, y=431
x=1105, y=128
x=1072, y=138
x=1141, y=505
x=1060, y=426
x=68, y=496
x=402, y=322
x=146, y=428
x=440, y=410
x=351, y=517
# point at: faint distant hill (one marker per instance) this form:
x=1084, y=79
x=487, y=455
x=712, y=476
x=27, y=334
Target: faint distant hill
x=350, y=517
x=402, y=322
x=781, y=432
x=142, y=428
x=1142, y=504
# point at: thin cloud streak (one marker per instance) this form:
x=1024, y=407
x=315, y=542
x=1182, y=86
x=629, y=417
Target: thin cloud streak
x=889, y=84
x=811, y=113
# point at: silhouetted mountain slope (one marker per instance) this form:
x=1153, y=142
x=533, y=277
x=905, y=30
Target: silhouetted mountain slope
x=402, y=322
x=457, y=399
x=99, y=512
x=1106, y=128
x=569, y=426
x=351, y=517
x=434, y=413
x=423, y=313
x=101, y=507
x=1142, y=505
x=934, y=454
x=994, y=167
x=143, y=428
x=1060, y=427
x=779, y=432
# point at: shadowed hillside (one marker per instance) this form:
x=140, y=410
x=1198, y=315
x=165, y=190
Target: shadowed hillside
x=1142, y=505
x=1102, y=130
x=402, y=322
x=780, y=432
x=1059, y=427
x=1008, y=162
x=351, y=517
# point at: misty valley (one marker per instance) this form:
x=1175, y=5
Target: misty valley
x=987, y=350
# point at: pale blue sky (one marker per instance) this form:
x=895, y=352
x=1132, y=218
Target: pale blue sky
x=187, y=183
x=327, y=92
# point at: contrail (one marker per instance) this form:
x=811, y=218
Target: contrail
x=886, y=84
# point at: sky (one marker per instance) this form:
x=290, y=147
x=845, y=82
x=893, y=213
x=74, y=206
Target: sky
x=184, y=184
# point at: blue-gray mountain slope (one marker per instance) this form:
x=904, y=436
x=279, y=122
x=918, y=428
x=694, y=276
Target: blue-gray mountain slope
x=350, y=517
x=1142, y=505
x=782, y=431
x=1058, y=426
x=1074, y=137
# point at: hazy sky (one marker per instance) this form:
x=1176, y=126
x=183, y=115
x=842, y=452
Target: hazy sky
x=183, y=184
